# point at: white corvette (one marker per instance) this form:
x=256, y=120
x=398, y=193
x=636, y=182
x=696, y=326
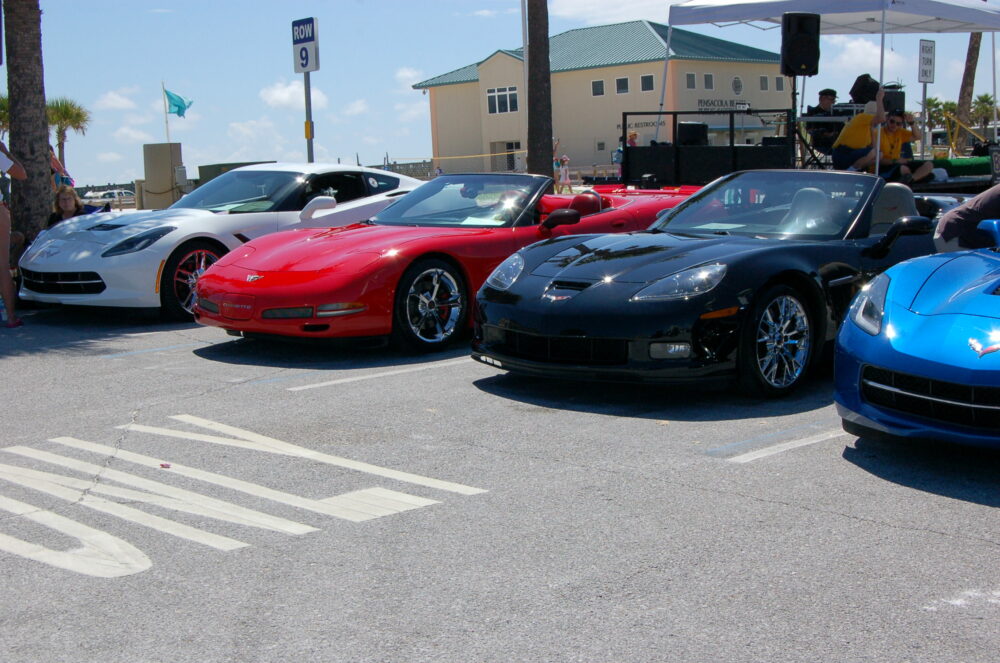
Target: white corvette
x=153, y=259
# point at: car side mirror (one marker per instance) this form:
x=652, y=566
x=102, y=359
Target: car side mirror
x=317, y=204
x=904, y=225
x=561, y=217
x=992, y=228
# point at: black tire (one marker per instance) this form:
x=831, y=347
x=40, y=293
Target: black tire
x=778, y=343
x=431, y=307
x=181, y=274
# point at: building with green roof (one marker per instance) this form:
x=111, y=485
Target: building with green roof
x=477, y=111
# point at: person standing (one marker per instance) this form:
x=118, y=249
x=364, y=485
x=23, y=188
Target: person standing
x=13, y=168
x=564, y=180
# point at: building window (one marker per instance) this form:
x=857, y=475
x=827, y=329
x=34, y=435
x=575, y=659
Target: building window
x=501, y=100
x=763, y=83
x=597, y=88
x=621, y=85
x=779, y=84
x=691, y=81
x=600, y=146
x=709, y=81
x=646, y=83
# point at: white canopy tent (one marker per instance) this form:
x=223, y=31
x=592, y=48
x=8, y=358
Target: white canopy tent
x=844, y=17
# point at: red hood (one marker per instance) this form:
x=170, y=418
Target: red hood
x=322, y=249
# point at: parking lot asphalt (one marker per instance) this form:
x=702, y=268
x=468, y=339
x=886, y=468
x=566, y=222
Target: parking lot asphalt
x=168, y=492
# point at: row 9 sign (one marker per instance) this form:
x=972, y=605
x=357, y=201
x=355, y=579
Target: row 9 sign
x=305, y=45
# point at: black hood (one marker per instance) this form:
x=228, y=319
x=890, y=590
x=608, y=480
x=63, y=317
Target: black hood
x=641, y=257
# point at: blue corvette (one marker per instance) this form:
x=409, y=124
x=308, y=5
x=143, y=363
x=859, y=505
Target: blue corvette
x=918, y=356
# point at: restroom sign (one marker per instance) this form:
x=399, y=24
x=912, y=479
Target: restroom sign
x=925, y=73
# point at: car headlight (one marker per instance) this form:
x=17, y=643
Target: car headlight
x=682, y=285
x=506, y=272
x=137, y=242
x=868, y=306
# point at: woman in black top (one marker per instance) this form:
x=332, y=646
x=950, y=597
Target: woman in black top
x=67, y=205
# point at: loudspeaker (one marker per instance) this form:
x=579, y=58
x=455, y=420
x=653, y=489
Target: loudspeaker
x=692, y=133
x=799, y=44
x=894, y=98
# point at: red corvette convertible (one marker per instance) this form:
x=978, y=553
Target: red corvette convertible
x=411, y=271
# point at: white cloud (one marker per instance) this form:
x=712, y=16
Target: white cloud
x=128, y=134
x=292, y=95
x=861, y=54
x=408, y=112
x=600, y=12
x=406, y=77
x=115, y=100
x=485, y=13
x=108, y=157
x=356, y=107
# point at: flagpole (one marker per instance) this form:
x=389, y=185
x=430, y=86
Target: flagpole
x=166, y=116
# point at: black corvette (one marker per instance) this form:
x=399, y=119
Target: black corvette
x=747, y=279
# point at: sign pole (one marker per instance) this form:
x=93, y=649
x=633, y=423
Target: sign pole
x=305, y=55
x=309, y=117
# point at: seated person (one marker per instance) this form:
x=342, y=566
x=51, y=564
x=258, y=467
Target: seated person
x=823, y=134
x=67, y=205
x=854, y=148
x=900, y=128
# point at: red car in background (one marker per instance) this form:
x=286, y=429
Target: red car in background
x=412, y=271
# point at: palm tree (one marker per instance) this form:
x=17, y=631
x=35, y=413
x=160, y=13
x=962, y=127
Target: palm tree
x=65, y=114
x=968, y=81
x=4, y=116
x=983, y=108
x=29, y=132
x=539, y=98
x=932, y=112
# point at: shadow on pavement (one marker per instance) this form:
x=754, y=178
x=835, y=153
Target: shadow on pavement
x=77, y=329
x=679, y=403
x=969, y=474
x=319, y=354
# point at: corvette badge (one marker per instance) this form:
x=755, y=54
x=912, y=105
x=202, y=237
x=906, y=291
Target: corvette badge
x=254, y=277
x=978, y=348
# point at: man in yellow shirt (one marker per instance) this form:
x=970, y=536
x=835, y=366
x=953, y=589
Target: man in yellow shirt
x=854, y=148
x=900, y=127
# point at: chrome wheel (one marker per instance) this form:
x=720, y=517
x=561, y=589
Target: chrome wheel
x=783, y=342
x=434, y=305
x=186, y=275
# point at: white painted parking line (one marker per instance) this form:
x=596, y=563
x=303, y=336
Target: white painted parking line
x=162, y=494
x=249, y=440
x=786, y=446
x=304, y=503
x=71, y=490
x=379, y=501
x=384, y=374
x=100, y=554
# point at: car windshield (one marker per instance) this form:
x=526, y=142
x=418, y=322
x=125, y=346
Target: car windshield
x=790, y=205
x=242, y=191
x=491, y=200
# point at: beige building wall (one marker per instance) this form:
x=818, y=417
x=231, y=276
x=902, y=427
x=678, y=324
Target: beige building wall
x=589, y=127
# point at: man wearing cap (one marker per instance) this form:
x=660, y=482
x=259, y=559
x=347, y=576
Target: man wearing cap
x=822, y=134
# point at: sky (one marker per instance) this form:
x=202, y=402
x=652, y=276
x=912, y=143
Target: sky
x=234, y=60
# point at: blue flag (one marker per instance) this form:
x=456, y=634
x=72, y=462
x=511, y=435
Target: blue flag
x=176, y=104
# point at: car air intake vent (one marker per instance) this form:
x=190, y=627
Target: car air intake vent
x=107, y=226
x=950, y=402
x=579, y=286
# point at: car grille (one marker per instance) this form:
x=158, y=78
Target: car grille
x=63, y=283
x=558, y=349
x=965, y=405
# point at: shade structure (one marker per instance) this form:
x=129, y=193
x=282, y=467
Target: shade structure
x=847, y=16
